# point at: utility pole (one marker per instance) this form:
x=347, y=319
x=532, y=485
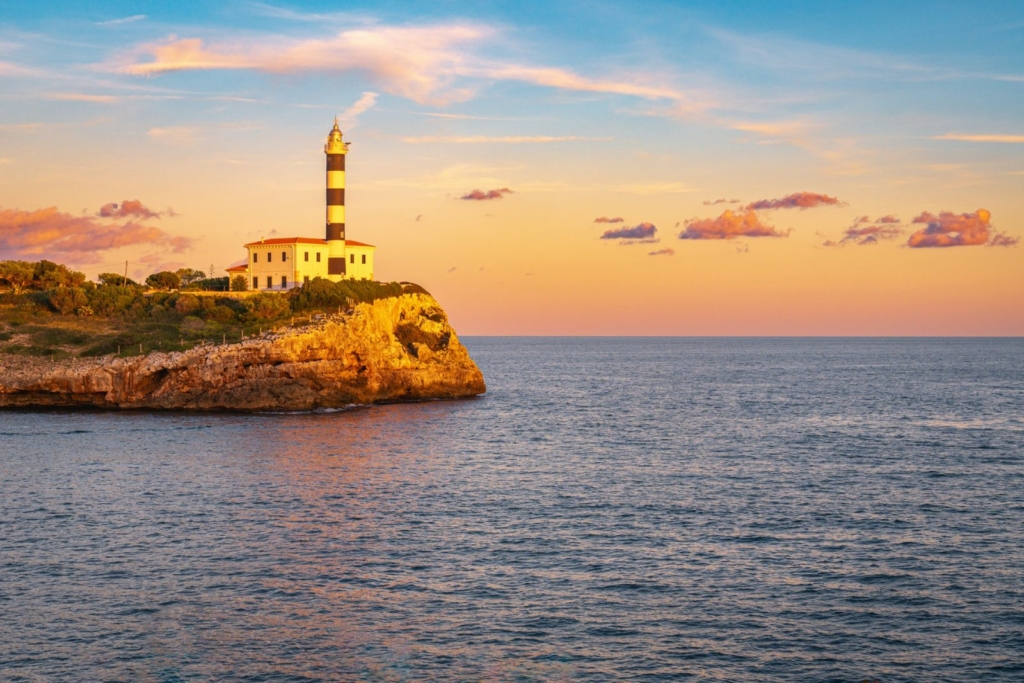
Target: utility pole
x=125, y=286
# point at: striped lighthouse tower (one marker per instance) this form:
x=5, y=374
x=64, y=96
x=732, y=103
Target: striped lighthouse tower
x=336, y=148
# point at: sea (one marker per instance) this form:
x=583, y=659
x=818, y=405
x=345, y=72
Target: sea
x=613, y=509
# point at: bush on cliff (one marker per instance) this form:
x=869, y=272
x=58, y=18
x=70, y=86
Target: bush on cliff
x=324, y=294
x=67, y=300
x=266, y=307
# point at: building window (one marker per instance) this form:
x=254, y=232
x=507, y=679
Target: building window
x=270, y=256
x=255, y=283
x=364, y=259
x=284, y=282
x=305, y=279
x=284, y=255
x=307, y=256
x=318, y=257
x=270, y=282
x=255, y=257
x=351, y=258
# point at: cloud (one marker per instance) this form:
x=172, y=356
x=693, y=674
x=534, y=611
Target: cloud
x=865, y=231
x=644, y=231
x=480, y=195
x=605, y=219
x=722, y=201
x=797, y=200
x=82, y=97
x=506, y=139
x=349, y=117
x=128, y=208
x=120, y=22
x=52, y=233
x=662, y=252
x=420, y=63
x=950, y=229
x=1011, y=139
x=729, y=226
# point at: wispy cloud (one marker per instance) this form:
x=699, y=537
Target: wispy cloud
x=729, y=226
x=657, y=188
x=797, y=200
x=505, y=139
x=349, y=118
x=121, y=22
x=436, y=64
x=644, y=231
x=82, y=97
x=480, y=195
x=721, y=201
x=1011, y=139
x=606, y=219
x=668, y=251
x=864, y=231
x=129, y=208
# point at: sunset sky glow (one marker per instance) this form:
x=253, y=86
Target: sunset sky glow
x=641, y=168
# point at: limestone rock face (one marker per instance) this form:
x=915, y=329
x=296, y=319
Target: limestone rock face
x=396, y=349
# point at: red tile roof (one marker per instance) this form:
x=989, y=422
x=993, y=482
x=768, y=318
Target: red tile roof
x=240, y=268
x=288, y=240
x=303, y=240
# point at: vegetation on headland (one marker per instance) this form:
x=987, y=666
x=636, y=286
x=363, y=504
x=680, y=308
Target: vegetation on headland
x=52, y=311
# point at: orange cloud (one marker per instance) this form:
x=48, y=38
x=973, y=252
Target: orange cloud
x=605, y=219
x=127, y=208
x=729, y=226
x=864, y=231
x=480, y=195
x=950, y=229
x=797, y=200
x=644, y=231
x=662, y=252
x=49, y=232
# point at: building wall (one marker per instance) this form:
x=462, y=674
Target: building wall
x=359, y=263
x=295, y=262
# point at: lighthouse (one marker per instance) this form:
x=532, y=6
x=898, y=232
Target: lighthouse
x=335, y=149
x=283, y=263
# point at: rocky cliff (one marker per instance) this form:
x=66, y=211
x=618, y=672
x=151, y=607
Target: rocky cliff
x=395, y=349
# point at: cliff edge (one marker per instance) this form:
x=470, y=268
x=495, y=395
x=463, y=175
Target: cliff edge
x=395, y=349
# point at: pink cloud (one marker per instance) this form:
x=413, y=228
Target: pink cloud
x=950, y=229
x=480, y=195
x=128, y=208
x=1003, y=240
x=729, y=226
x=605, y=219
x=721, y=201
x=797, y=200
x=644, y=231
x=865, y=231
x=668, y=251
x=52, y=233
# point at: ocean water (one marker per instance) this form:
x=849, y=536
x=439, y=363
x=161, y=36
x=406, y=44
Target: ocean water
x=613, y=509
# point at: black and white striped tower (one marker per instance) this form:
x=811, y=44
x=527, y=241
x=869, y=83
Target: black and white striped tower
x=336, y=148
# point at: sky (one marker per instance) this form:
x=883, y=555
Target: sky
x=570, y=168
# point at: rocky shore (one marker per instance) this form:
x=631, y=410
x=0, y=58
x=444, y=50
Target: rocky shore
x=394, y=349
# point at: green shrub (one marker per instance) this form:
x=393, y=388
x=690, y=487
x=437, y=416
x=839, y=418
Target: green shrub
x=266, y=306
x=115, y=280
x=108, y=300
x=239, y=283
x=66, y=300
x=164, y=280
x=324, y=294
x=186, y=303
x=220, y=314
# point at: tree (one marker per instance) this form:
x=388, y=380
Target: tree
x=266, y=306
x=187, y=276
x=116, y=280
x=239, y=283
x=66, y=300
x=18, y=274
x=47, y=275
x=164, y=280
